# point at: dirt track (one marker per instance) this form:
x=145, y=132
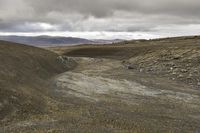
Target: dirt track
x=89, y=80
x=167, y=108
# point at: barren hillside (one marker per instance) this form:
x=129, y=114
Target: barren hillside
x=24, y=72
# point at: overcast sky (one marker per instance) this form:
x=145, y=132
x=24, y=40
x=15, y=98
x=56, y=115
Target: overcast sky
x=100, y=19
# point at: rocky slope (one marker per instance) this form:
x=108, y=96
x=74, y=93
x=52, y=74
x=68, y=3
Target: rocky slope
x=174, y=58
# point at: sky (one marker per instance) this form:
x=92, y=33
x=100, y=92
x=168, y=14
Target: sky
x=100, y=19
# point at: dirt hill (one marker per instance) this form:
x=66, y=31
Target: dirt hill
x=24, y=72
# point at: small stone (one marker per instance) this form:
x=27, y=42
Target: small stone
x=174, y=73
x=190, y=75
x=177, y=57
x=180, y=76
x=150, y=70
x=184, y=70
x=130, y=67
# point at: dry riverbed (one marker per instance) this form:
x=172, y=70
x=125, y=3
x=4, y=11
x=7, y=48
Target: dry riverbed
x=157, y=107
x=102, y=95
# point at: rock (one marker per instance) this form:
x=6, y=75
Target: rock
x=174, y=73
x=150, y=70
x=130, y=66
x=180, y=76
x=123, y=62
x=60, y=58
x=175, y=66
x=176, y=57
x=190, y=75
x=184, y=70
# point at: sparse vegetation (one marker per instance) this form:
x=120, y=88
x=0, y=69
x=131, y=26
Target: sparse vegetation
x=159, y=94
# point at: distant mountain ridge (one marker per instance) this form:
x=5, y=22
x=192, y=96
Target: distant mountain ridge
x=45, y=40
x=55, y=40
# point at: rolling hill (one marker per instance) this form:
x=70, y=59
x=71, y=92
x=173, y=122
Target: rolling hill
x=45, y=40
x=24, y=72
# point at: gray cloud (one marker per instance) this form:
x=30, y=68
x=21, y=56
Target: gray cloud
x=103, y=8
x=97, y=15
